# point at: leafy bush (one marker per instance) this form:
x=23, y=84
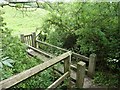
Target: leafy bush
x=106, y=79
x=15, y=50
x=113, y=65
x=91, y=22
x=96, y=28
x=40, y=80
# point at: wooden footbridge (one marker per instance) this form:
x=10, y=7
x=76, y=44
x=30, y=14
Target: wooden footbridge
x=76, y=68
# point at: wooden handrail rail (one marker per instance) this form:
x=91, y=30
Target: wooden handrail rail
x=52, y=45
x=77, y=56
x=84, y=58
x=81, y=66
x=28, y=35
x=58, y=81
x=39, y=51
x=75, y=68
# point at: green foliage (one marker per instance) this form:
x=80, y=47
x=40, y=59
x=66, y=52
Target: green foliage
x=106, y=79
x=95, y=26
x=88, y=21
x=91, y=40
x=15, y=50
x=40, y=80
x=5, y=61
x=1, y=22
x=113, y=65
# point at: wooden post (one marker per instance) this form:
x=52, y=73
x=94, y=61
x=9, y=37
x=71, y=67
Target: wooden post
x=22, y=38
x=34, y=39
x=91, y=67
x=80, y=74
x=67, y=63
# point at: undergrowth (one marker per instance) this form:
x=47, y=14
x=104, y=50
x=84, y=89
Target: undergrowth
x=106, y=79
x=15, y=50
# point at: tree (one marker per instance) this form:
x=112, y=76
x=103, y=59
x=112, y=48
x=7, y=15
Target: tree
x=95, y=27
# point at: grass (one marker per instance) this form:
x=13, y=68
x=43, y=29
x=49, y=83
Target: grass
x=26, y=24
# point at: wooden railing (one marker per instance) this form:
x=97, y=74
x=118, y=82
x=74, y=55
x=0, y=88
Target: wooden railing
x=29, y=39
x=91, y=60
x=77, y=57
x=66, y=57
x=80, y=68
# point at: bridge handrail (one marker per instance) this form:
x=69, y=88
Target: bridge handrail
x=39, y=51
x=84, y=58
x=91, y=59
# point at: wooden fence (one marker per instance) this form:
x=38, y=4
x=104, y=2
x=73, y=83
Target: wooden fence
x=13, y=80
x=79, y=68
x=29, y=39
x=91, y=60
x=7, y=83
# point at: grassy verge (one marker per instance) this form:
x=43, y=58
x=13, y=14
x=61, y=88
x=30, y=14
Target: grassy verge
x=26, y=24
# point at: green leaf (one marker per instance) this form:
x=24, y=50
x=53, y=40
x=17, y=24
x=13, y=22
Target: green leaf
x=4, y=58
x=10, y=60
x=7, y=63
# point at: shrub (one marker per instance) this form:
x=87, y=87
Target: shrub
x=15, y=50
x=106, y=79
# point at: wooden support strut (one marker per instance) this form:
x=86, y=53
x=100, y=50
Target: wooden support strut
x=58, y=81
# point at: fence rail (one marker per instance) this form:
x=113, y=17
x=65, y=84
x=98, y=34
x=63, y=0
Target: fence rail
x=91, y=59
x=31, y=42
x=84, y=58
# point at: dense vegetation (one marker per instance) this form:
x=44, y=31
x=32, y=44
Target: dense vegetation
x=14, y=59
x=84, y=28
x=88, y=28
